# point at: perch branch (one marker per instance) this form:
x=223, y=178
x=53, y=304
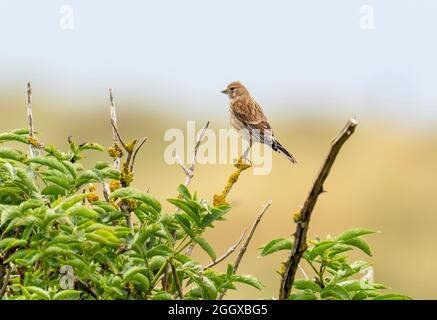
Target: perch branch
x=303, y=218
x=227, y=253
x=220, y=199
x=246, y=243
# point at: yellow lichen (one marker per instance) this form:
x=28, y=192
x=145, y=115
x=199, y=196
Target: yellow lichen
x=115, y=151
x=92, y=197
x=114, y=185
x=131, y=146
x=32, y=140
x=126, y=177
x=282, y=268
x=219, y=200
x=297, y=216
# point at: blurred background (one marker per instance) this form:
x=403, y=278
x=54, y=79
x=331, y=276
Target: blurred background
x=312, y=65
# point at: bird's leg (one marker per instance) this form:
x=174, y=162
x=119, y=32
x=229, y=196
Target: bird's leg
x=244, y=162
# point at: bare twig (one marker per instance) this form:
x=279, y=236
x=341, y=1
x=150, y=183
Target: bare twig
x=302, y=220
x=135, y=153
x=87, y=288
x=131, y=149
x=32, y=141
x=227, y=253
x=189, y=172
x=246, y=243
x=177, y=281
x=303, y=272
x=115, y=135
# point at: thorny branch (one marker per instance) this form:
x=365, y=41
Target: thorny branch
x=303, y=218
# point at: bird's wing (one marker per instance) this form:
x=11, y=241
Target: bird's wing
x=251, y=115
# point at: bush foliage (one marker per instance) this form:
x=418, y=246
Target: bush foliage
x=60, y=240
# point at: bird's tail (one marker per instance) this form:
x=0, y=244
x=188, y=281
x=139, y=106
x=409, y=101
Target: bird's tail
x=276, y=146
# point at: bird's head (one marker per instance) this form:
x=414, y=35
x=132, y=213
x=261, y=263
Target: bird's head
x=235, y=89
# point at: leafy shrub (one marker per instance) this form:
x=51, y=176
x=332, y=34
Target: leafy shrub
x=335, y=277
x=59, y=240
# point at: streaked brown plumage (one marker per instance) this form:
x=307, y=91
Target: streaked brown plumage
x=247, y=116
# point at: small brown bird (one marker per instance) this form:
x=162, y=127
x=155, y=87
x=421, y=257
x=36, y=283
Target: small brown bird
x=248, y=119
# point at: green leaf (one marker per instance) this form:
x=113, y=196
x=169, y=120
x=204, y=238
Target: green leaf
x=67, y=295
x=70, y=168
x=276, y=245
x=302, y=296
x=354, y=233
x=185, y=224
x=132, y=193
x=189, y=210
x=360, y=244
x=335, y=291
x=84, y=212
x=307, y=284
x=71, y=201
x=53, y=190
x=87, y=177
x=141, y=280
x=90, y=146
x=162, y=296
x=50, y=162
x=10, y=136
x=12, y=154
x=248, y=279
x=184, y=192
x=161, y=250
x=320, y=248
x=229, y=271
x=8, y=243
x=209, y=288
x=392, y=296
x=216, y=213
x=207, y=247
x=42, y=294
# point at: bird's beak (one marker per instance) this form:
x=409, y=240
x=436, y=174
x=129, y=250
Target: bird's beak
x=224, y=91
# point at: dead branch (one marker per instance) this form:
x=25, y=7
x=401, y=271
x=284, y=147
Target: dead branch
x=303, y=219
x=189, y=172
x=31, y=139
x=131, y=150
x=115, y=133
x=246, y=243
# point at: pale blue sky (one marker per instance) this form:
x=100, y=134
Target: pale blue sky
x=293, y=55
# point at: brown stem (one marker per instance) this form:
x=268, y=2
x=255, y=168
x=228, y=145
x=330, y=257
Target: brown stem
x=246, y=243
x=303, y=219
x=177, y=281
